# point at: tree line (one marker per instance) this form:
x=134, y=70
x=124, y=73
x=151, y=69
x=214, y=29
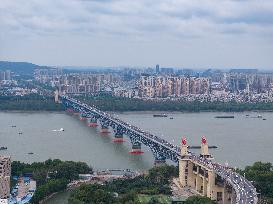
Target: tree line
x=127, y=191
x=261, y=175
x=50, y=176
x=37, y=102
x=33, y=102
x=112, y=103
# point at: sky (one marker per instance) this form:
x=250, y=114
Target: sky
x=172, y=33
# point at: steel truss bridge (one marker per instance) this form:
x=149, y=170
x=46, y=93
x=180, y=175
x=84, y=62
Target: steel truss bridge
x=162, y=149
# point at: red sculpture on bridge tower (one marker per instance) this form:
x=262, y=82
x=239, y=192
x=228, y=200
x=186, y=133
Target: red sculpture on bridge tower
x=184, y=141
x=204, y=140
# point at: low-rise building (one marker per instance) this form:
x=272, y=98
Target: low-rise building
x=5, y=172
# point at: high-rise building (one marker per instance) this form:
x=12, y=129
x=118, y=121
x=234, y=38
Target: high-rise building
x=157, y=70
x=5, y=75
x=5, y=172
x=2, y=75
x=8, y=75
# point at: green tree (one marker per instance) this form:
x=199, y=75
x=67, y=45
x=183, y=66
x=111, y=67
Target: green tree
x=262, y=176
x=154, y=200
x=199, y=200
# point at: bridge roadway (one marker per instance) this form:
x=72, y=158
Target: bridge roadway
x=245, y=191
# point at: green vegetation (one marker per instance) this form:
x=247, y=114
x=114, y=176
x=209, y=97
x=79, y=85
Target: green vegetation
x=199, y=200
x=129, y=191
x=158, y=199
x=262, y=176
x=52, y=186
x=110, y=103
x=33, y=102
x=51, y=176
x=23, y=68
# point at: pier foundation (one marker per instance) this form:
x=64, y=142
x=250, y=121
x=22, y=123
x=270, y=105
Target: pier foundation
x=136, y=148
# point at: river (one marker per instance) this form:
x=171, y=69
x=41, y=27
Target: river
x=240, y=141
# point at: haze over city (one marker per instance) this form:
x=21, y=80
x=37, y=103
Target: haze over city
x=192, y=34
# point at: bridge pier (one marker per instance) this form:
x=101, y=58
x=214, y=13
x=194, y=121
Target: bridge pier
x=160, y=159
x=118, y=137
x=136, y=148
x=227, y=194
x=104, y=129
x=69, y=110
x=93, y=122
x=76, y=112
x=160, y=162
x=83, y=117
x=211, y=185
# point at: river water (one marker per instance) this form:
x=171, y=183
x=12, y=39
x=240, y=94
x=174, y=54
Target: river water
x=240, y=141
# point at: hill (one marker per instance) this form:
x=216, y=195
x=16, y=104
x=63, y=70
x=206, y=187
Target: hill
x=25, y=68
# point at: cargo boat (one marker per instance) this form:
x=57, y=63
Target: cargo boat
x=225, y=116
x=199, y=147
x=160, y=115
x=3, y=148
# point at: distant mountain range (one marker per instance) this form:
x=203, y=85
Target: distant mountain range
x=20, y=67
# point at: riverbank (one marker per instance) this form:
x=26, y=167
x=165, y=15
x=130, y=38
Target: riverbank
x=109, y=103
x=118, y=104
x=51, y=176
x=46, y=199
x=33, y=102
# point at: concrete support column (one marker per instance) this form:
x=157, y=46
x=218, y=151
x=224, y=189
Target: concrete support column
x=160, y=161
x=83, y=117
x=204, y=186
x=233, y=196
x=118, y=137
x=93, y=122
x=199, y=183
x=76, y=112
x=104, y=129
x=182, y=172
x=227, y=195
x=191, y=175
x=224, y=196
x=69, y=110
x=211, y=185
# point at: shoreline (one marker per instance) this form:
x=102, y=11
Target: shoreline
x=140, y=111
x=31, y=111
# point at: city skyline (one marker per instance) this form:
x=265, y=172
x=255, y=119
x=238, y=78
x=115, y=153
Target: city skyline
x=207, y=34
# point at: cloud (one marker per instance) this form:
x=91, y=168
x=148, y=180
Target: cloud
x=150, y=25
x=172, y=17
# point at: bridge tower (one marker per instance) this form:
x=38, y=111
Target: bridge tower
x=205, y=149
x=184, y=163
x=56, y=98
